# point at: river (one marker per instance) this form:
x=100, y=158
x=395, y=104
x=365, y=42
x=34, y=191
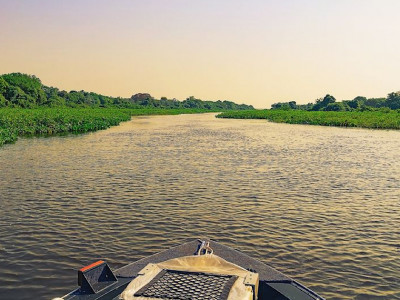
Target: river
x=320, y=204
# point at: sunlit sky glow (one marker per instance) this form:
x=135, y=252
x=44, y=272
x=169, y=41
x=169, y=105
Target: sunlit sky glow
x=256, y=52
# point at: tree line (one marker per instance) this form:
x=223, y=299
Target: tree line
x=27, y=91
x=360, y=103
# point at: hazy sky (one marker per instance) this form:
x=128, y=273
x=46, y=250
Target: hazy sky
x=256, y=51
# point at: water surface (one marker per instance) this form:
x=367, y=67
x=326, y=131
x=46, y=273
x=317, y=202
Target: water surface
x=319, y=204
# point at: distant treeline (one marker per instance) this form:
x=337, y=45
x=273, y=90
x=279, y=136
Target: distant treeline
x=27, y=91
x=328, y=103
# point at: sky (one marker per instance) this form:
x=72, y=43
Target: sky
x=256, y=52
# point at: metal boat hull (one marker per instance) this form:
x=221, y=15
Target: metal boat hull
x=272, y=284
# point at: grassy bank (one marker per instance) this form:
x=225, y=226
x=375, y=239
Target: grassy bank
x=367, y=119
x=47, y=121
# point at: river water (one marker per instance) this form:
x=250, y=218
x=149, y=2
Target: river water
x=320, y=204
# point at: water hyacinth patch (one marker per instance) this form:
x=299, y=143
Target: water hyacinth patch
x=16, y=122
x=366, y=119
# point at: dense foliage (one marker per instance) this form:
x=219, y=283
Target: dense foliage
x=368, y=119
x=45, y=121
x=27, y=107
x=328, y=103
x=27, y=91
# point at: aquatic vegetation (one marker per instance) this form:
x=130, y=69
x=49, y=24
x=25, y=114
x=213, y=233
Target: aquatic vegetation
x=16, y=122
x=367, y=119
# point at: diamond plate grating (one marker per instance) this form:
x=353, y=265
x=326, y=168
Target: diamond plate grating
x=169, y=284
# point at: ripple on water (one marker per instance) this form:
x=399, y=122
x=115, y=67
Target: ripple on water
x=319, y=204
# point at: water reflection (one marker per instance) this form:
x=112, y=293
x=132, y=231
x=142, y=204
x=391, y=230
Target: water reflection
x=319, y=204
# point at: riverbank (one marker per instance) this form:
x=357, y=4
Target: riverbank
x=49, y=121
x=366, y=119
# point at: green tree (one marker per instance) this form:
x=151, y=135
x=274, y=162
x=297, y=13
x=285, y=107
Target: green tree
x=283, y=105
x=3, y=86
x=375, y=102
x=360, y=99
x=29, y=84
x=356, y=102
x=337, y=106
x=321, y=103
x=3, y=101
x=393, y=100
x=18, y=98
